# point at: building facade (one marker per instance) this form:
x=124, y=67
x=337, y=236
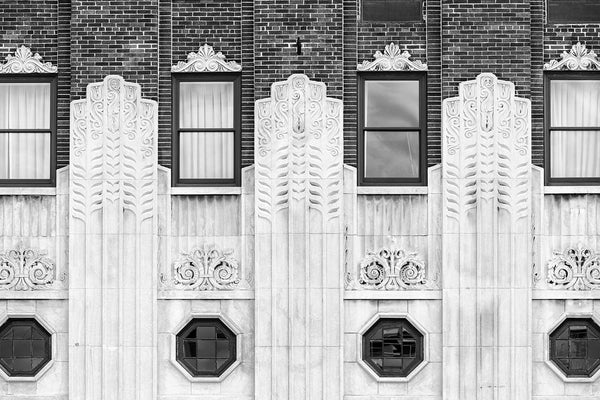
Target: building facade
x=286, y=199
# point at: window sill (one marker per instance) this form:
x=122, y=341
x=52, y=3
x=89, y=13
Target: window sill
x=382, y=190
x=572, y=189
x=206, y=190
x=27, y=191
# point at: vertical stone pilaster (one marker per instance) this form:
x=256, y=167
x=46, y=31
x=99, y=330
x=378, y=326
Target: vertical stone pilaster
x=112, y=244
x=486, y=180
x=299, y=242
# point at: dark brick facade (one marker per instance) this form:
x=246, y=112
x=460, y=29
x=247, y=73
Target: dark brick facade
x=140, y=40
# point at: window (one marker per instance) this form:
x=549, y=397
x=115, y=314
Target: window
x=206, y=347
x=573, y=11
x=572, y=120
x=27, y=130
x=392, y=10
x=575, y=347
x=392, y=128
x=393, y=347
x=206, y=126
x=25, y=347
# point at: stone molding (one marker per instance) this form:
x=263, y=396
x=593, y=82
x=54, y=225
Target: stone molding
x=26, y=62
x=26, y=269
x=575, y=268
x=206, y=60
x=205, y=268
x=579, y=58
x=392, y=59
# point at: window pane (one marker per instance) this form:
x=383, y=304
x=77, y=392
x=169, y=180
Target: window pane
x=25, y=155
x=573, y=11
x=205, y=155
x=391, y=154
x=25, y=105
x=392, y=104
x=574, y=154
x=206, y=105
x=575, y=103
x=392, y=10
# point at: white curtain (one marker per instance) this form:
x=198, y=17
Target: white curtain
x=206, y=154
x=25, y=155
x=575, y=104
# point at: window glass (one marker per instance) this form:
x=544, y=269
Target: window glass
x=392, y=103
x=206, y=155
x=389, y=154
x=206, y=105
x=573, y=11
x=575, y=347
x=25, y=347
x=575, y=103
x=575, y=153
x=391, y=10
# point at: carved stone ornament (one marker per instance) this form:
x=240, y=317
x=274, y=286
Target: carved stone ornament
x=575, y=269
x=206, y=268
x=390, y=268
x=392, y=59
x=25, y=269
x=25, y=62
x=579, y=58
x=206, y=60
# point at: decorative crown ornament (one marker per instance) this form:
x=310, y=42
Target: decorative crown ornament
x=206, y=60
x=579, y=58
x=575, y=268
x=392, y=59
x=25, y=62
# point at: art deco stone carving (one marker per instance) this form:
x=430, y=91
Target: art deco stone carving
x=576, y=268
x=206, y=268
x=26, y=269
x=206, y=60
x=579, y=58
x=25, y=62
x=392, y=59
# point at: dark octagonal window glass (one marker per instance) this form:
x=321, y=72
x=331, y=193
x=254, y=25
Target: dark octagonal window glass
x=25, y=347
x=206, y=347
x=575, y=347
x=393, y=347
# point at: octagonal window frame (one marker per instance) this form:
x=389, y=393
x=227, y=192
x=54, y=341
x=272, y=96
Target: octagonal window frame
x=227, y=370
x=50, y=330
x=552, y=365
x=371, y=324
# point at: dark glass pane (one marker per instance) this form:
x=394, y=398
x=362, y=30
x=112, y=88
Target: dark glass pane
x=391, y=332
x=221, y=362
x=376, y=348
x=7, y=334
x=392, y=104
x=22, y=332
x=22, y=365
x=6, y=348
x=578, y=331
x=378, y=334
x=36, y=334
x=206, y=332
x=594, y=349
x=573, y=11
x=563, y=334
x=391, y=154
x=38, y=348
x=206, y=348
x=223, y=349
x=206, y=364
x=192, y=334
x=395, y=363
x=378, y=362
x=22, y=348
x=578, y=349
x=562, y=348
x=578, y=364
x=221, y=334
x=190, y=348
x=35, y=362
x=392, y=10
x=409, y=349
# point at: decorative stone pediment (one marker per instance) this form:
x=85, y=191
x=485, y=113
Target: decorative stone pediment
x=392, y=59
x=579, y=58
x=206, y=60
x=26, y=269
x=205, y=268
x=26, y=62
x=575, y=268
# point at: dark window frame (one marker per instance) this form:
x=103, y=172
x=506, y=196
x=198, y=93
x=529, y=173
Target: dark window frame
x=234, y=77
x=591, y=325
x=551, y=21
x=549, y=76
x=401, y=323
x=34, y=78
x=421, y=77
x=32, y=322
x=421, y=18
x=181, y=337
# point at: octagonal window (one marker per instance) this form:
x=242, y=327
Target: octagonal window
x=575, y=347
x=25, y=347
x=206, y=347
x=393, y=347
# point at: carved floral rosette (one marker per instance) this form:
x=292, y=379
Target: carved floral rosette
x=25, y=62
x=576, y=268
x=391, y=268
x=26, y=269
x=206, y=268
x=206, y=60
x=579, y=58
x=392, y=59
